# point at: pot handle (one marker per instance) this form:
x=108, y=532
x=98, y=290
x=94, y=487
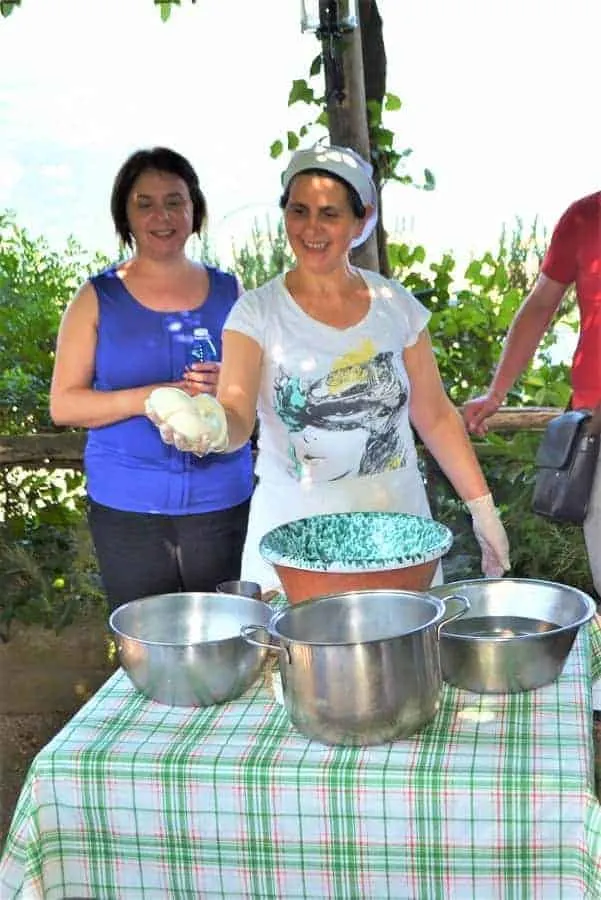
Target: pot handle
x=462, y=605
x=247, y=630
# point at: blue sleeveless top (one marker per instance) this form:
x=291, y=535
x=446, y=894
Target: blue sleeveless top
x=127, y=465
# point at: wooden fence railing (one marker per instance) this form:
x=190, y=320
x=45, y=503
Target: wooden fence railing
x=64, y=450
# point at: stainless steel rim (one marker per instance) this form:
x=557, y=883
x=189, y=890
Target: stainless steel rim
x=272, y=627
x=145, y=642
x=587, y=601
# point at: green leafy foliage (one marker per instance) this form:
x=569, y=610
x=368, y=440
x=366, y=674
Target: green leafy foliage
x=35, y=285
x=392, y=102
x=49, y=572
x=7, y=6
x=316, y=66
x=539, y=548
x=472, y=311
x=265, y=256
x=389, y=161
x=165, y=7
x=41, y=530
x=302, y=92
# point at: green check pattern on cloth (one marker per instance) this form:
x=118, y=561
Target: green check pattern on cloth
x=493, y=800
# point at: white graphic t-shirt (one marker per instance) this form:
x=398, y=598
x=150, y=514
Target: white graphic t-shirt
x=333, y=409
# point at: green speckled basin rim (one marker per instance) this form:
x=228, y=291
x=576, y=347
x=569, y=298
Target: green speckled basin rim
x=357, y=541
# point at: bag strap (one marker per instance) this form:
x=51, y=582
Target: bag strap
x=594, y=423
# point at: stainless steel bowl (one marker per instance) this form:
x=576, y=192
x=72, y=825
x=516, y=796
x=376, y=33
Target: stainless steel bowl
x=241, y=589
x=516, y=636
x=186, y=650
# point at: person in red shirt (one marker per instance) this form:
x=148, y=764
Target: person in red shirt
x=573, y=257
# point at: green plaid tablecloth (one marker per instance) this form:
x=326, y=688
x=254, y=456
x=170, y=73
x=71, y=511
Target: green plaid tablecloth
x=137, y=801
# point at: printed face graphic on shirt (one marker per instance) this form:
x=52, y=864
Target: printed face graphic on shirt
x=346, y=422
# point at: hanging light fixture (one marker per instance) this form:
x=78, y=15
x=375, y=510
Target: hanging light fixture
x=330, y=20
x=329, y=17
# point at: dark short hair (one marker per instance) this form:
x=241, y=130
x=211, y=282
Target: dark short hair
x=159, y=159
x=354, y=199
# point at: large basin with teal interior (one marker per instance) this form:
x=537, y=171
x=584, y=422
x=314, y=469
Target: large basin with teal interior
x=325, y=554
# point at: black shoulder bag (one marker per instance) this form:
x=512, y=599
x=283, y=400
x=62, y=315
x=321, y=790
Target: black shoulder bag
x=566, y=463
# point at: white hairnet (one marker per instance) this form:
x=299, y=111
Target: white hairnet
x=349, y=166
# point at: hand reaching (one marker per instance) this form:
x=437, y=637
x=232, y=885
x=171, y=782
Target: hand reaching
x=475, y=412
x=491, y=536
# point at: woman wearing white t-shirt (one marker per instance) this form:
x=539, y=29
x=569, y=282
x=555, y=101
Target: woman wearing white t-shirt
x=337, y=362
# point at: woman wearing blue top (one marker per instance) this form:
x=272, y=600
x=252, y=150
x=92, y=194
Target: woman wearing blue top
x=161, y=520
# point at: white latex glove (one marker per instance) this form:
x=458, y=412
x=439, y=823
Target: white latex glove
x=214, y=422
x=192, y=424
x=491, y=536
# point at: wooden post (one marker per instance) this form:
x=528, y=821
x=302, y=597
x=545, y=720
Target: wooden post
x=347, y=117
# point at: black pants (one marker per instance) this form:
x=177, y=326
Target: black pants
x=140, y=554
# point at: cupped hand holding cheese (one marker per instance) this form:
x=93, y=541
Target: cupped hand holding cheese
x=198, y=423
x=213, y=414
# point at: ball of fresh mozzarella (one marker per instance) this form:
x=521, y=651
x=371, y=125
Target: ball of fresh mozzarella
x=164, y=401
x=188, y=423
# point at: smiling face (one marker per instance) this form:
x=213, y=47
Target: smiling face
x=320, y=222
x=160, y=214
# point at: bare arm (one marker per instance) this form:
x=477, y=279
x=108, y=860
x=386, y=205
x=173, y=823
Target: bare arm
x=529, y=325
x=73, y=400
x=439, y=424
x=238, y=389
x=531, y=322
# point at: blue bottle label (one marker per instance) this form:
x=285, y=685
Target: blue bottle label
x=203, y=348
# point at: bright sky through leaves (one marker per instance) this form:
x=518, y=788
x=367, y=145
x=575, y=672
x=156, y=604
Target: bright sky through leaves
x=500, y=100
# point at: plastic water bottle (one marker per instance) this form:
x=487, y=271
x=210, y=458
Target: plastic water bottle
x=203, y=348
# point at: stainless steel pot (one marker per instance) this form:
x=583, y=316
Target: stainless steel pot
x=516, y=636
x=361, y=667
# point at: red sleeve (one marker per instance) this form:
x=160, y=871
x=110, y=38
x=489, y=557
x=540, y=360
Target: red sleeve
x=560, y=262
